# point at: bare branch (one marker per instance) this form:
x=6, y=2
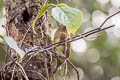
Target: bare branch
x=109, y=18
x=37, y=73
x=80, y=36
x=78, y=75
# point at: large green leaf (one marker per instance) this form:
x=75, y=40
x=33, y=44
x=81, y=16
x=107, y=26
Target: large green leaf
x=12, y=44
x=1, y=37
x=70, y=17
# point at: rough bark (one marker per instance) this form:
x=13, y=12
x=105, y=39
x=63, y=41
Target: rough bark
x=19, y=16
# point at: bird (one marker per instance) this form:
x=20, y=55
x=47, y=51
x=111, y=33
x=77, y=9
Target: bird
x=64, y=49
x=60, y=35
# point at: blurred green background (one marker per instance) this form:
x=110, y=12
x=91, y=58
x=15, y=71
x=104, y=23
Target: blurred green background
x=98, y=56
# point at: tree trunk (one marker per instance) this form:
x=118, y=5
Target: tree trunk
x=20, y=15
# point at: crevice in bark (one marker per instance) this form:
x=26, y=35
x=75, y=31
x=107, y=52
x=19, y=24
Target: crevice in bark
x=26, y=16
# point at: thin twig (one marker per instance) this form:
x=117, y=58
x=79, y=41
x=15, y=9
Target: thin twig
x=80, y=35
x=69, y=2
x=57, y=1
x=27, y=61
x=65, y=69
x=76, y=38
x=50, y=53
x=46, y=67
x=103, y=22
x=13, y=72
x=4, y=69
x=78, y=76
x=67, y=60
x=109, y=18
x=46, y=1
x=25, y=36
x=51, y=46
x=65, y=63
x=38, y=73
x=25, y=75
x=66, y=48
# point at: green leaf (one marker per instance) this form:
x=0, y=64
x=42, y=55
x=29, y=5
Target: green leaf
x=70, y=17
x=62, y=5
x=12, y=44
x=1, y=37
x=41, y=12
